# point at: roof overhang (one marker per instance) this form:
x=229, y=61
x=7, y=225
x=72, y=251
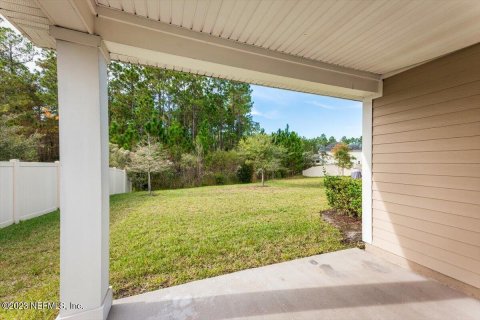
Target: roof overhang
x=126, y=35
x=177, y=48
x=139, y=40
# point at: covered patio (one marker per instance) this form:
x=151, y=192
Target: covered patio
x=415, y=65
x=349, y=284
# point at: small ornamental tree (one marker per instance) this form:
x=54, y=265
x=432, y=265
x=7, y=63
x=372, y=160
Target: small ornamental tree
x=262, y=153
x=149, y=158
x=342, y=157
x=119, y=157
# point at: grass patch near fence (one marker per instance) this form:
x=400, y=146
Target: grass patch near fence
x=30, y=265
x=173, y=237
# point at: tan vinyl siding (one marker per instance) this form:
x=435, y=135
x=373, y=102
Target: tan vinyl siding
x=426, y=166
x=454, y=131
x=452, y=170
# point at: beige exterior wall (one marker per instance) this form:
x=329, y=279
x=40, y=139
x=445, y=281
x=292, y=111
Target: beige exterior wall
x=426, y=166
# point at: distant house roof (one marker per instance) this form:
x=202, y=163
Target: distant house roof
x=352, y=146
x=355, y=146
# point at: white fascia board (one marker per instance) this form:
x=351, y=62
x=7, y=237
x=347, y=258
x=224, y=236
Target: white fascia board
x=75, y=36
x=148, y=40
x=80, y=38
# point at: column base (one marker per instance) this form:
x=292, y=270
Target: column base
x=100, y=313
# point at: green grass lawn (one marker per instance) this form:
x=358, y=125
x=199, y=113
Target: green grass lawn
x=174, y=237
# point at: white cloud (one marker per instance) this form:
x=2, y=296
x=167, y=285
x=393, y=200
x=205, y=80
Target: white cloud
x=267, y=115
x=255, y=112
x=353, y=105
x=277, y=96
x=321, y=105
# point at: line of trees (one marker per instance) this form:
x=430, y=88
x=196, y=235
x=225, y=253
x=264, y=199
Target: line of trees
x=28, y=100
x=168, y=128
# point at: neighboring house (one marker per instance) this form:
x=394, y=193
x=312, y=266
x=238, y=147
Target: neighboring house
x=325, y=159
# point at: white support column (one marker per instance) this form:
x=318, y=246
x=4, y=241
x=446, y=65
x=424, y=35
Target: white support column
x=84, y=199
x=367, y=171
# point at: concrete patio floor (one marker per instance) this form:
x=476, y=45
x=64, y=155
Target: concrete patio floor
x=348, y=284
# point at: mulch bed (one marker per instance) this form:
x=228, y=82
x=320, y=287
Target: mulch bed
x=350, y=227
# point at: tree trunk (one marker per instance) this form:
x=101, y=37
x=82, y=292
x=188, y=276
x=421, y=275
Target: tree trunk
x=148, y=171
x=194, y=133
x=149, y=184
x=263, y=179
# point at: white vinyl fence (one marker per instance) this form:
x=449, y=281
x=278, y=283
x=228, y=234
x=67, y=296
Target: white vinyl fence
x=331, y=169
x=30, y=189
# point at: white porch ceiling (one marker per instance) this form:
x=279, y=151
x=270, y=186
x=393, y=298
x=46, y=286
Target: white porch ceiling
x=333, y=47
x=378, y=36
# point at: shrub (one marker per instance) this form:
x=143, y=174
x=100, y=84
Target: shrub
x=220, y=179
x=245, y=173
x=344, y=194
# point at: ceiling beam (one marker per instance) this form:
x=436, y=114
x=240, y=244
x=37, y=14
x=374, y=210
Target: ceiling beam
x=151, y=42
x=163, y=44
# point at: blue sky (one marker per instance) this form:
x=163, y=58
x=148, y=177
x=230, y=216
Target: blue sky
x=309, y=115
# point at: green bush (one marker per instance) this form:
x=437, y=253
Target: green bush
x=220, y=179
x=344, y=194
x=245, y=173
